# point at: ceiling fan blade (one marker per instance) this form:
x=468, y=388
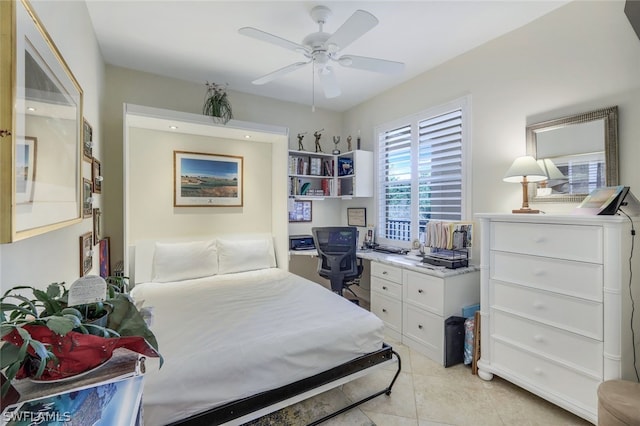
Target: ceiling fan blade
x=282, y=71
x=329, y=82
x=371, y=64
x=273, y=39
x=353, y=28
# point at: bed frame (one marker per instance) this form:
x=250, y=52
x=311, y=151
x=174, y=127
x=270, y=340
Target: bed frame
x=253, y=407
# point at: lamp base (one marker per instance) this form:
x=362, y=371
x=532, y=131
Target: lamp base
x=525, y=211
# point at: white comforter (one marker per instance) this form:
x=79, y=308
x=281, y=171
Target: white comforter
x=230, y=336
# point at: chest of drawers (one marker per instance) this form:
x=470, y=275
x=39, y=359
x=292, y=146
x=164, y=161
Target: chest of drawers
x=555, y=310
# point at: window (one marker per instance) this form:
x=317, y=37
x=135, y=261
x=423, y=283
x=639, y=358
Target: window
x=421, y=172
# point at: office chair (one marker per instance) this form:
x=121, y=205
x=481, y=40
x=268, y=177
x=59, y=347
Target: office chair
x=337, y=260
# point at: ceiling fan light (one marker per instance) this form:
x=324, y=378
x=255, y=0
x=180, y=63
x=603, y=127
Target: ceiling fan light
x=332, y=47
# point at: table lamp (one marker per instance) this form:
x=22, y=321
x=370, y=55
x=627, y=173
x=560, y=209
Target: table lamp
x=524, y=170
x=554, y=176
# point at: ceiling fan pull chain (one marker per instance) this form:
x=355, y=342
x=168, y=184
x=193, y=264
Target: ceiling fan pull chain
x=313, y=85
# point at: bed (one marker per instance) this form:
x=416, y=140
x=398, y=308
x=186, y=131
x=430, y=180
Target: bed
x=241, y=338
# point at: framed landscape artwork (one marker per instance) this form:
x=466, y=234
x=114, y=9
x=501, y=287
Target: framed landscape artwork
x=87, y=141
x=96, y=176
x=87, y=200
x=86, y=253
x=207, y=180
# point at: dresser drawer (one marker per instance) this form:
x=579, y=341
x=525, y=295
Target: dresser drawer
x=424, y=291
x=387, y=272
x=573, y=242
x=424, y=327
x=563, y=276
x=388, y=310
x=570, y=313
x=386, y=287
x=569, y=348
x=545, y=376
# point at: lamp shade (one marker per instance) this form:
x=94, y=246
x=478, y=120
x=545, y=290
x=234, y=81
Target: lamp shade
x=551, y=170
x=525, y=166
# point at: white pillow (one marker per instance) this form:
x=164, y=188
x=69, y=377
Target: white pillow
x=184, y=261
x=245, y=255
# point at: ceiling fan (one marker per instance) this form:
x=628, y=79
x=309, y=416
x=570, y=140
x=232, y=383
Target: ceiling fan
x=322, y=48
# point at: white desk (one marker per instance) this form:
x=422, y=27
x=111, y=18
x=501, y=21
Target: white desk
x=413, y=299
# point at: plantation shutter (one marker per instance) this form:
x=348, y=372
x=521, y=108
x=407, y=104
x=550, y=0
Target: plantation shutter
x=394, y=186
x=440, y=168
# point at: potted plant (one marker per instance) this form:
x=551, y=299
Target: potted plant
x=216, y=102
x=46, y=339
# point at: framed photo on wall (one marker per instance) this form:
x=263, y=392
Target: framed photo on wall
x=87, y=200
x=87, y=141
x=357, y=216
x=207, y=180
x=86, y=253
x=96, y=176
x=105, y=255
x=301, y=211
x=97, y=225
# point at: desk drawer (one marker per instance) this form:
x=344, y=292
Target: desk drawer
x=569, y=313
x=387, y=272
x=425, y=291
x=424, y=327
x=386, y=287
x=563, y=276
x=545, y=375
x=569, y=348
x=573, y=242
x=388, y=310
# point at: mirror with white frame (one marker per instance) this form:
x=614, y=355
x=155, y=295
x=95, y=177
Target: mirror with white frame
x=579, y=153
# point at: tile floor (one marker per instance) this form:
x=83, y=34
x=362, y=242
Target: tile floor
x=427, y=394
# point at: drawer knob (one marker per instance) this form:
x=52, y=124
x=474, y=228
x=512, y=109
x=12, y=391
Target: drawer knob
x=420, y=291
x=538, y=338
x=384, y=310
x=538, y=305
x=384, y=272
x=384, y=287
x=538, y=371
x=539, y=240
x=420, y=326
x=539, y=272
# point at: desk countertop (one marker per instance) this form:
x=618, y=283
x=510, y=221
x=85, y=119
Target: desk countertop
x=408, y=261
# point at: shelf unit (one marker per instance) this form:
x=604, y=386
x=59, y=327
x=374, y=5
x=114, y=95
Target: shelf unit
x=317, y=175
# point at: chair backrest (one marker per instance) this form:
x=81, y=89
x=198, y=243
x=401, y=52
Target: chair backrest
x=337, y=246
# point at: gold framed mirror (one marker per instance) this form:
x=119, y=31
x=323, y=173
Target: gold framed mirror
x=579, y=153
x=41, y=120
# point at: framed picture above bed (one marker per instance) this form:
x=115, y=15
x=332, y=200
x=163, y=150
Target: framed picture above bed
x=207, y=180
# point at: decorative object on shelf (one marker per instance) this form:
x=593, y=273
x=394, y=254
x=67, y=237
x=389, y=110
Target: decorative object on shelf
x=216, y=102
x=87, y=141
x=349, y=143
x=300, y=137
x=336, y=141
x=96, y=176
x=87, y=200
x=50, y=340
x=358, y=140
x=524, y=170
x=207, y=180
x=318, y=135
x=86, y=253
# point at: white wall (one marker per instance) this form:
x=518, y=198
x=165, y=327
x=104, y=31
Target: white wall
x=580, y=57
x=128, y=86
x=54, y=257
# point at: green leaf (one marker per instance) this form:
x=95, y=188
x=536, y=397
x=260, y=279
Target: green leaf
x=6, y=329
x=40, y=349
x=126, y=320
x=8, y=355
x=60, y=325
x=50, y=305
x=12, y=370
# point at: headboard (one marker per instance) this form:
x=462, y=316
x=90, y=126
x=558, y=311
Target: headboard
x=141, y=252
